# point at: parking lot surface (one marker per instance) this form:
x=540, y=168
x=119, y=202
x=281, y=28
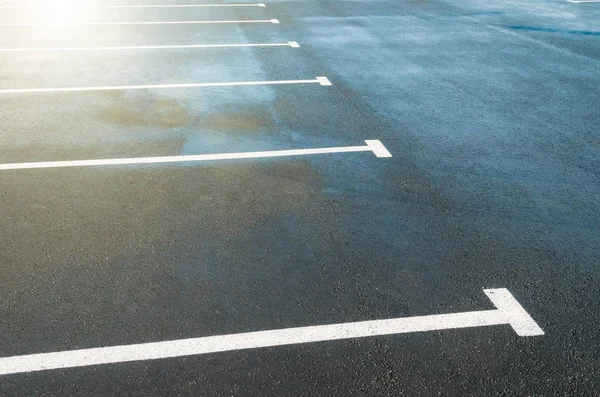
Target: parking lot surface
x=177, y=170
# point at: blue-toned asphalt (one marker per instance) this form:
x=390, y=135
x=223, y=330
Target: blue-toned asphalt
x=490, y=109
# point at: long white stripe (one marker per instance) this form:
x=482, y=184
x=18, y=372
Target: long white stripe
x=292, y=44
x=185, y=5
x=261, y=339
x=151, y=6
x=374, y=146
x=318, y=80
x=141, y=23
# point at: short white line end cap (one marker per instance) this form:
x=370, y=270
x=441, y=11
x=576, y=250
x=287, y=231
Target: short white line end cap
x=323, y=80
x=515, y=314
x=377, y=147
x=293, y=44
x=261, y=4
x=274, y=21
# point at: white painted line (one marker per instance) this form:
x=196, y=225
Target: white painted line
x=138, y=23
x=378, y=148
x=323, y=81
x=508, y=310
x=318, y=80
x=182, y=5
x=372, y=146
x=513, y=312
x=292, y=44
x=150, y=6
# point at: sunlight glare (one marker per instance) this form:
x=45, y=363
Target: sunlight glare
x=63, y=12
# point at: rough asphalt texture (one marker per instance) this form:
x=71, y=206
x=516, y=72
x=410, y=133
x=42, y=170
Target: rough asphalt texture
x=492, y=113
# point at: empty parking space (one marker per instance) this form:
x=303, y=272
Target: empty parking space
x=299, y=198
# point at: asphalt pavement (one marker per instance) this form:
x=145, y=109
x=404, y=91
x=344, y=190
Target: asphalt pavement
x=490, y=112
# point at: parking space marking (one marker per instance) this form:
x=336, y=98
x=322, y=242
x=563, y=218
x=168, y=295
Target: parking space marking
x=149, y=6
x=374, y=146
x=292, y=44
x=319, y=80
x=275, y=21
x=508, y=312
x=323, y=81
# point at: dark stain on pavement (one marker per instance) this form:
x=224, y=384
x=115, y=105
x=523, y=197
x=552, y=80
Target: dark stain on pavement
x=146, y=111
x=238, y=122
